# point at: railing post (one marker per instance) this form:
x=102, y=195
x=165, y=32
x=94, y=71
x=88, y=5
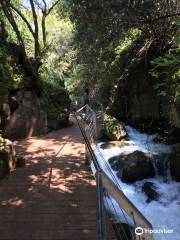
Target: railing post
x=100, y=208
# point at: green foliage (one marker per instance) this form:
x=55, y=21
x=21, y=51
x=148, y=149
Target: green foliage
x=100, y=68
x=60, y=67
x=10, y=70
x=166, y=73
x=56, y=101
x=58, y=59
x=75, y=81
x=111, y=37
x=56, y=104
x=64, y=8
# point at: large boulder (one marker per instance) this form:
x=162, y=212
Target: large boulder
x=113, y=129
x=8, y=158
x=133, y=167
x=28, y=119
x=175, y=162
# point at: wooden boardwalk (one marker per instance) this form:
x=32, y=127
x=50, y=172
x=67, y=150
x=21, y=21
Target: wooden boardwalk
x=53, y=196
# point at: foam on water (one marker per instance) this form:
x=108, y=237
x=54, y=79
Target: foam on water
x=164, y=213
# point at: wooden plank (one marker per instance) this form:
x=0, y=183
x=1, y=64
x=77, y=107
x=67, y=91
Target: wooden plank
x=50, y=200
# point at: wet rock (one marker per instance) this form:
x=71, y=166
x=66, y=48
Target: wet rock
x=113, y=129
x=133, y=167
x=150, y=190
x=137, y=171
x=116, y=163
x=175, y=162
x=111, y=144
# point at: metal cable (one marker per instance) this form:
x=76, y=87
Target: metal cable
x=114, y=226
x=116, y=214
x=114, y=179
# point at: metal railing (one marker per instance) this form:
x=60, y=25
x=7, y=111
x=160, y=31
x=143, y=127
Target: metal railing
x=108, y=188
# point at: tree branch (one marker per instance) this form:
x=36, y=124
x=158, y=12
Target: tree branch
x=52, y=7
x=45, y=13
x=36, y=30
x=23, y=18
x=45, y=5
x=8, y=13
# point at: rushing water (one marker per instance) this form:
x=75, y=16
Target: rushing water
x=163, y=213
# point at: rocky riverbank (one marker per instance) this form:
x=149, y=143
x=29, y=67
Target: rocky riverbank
x=148, y=173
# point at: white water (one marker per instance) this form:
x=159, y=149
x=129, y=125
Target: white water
x=164, y=213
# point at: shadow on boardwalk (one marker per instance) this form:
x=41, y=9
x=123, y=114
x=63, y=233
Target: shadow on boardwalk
x=53, y=196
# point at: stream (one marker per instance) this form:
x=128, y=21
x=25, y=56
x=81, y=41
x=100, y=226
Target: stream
x=163, y=213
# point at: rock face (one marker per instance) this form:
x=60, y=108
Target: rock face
x=136, y=95
x=28, y=119
x=175, y=162
x=174, y=115
x=113, y=129
x=150, y=190
x=8, y=158
x=136, y=99
x=133, y=167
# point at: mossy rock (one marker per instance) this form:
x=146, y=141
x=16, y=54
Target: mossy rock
x=113, y=129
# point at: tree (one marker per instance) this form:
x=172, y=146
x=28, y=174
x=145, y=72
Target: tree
x=39, y=9
x=102, y=26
